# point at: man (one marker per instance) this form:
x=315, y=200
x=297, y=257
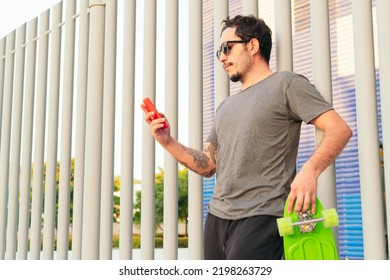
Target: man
x=252, y=147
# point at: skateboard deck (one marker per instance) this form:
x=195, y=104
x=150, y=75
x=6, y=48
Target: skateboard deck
x=307, y=236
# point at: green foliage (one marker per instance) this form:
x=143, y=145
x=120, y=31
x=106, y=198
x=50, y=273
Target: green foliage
x=59, y=172
x=158, y=242
x=57, y=182
x=137, y=208
x=159, y=202
x=136, y=241
x=159, y=198
x=183, y=242
x=117, y=200
x=183, y=195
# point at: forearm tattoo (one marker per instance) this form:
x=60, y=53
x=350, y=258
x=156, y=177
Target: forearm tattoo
x=201, y=161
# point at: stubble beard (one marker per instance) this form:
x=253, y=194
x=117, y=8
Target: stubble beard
x=236, y=77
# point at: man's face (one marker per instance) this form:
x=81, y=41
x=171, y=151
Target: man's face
x=233, y=54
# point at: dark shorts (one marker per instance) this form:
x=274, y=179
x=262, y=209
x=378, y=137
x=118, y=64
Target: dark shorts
x=253, y=238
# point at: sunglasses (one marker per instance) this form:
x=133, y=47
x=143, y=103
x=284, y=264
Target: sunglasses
x=226, y=47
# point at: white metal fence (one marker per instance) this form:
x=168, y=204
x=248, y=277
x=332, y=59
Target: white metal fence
x=58, y=100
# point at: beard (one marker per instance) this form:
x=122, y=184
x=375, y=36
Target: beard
x=236, y=77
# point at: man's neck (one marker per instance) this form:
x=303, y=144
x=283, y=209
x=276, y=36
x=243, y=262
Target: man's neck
x=255, y=76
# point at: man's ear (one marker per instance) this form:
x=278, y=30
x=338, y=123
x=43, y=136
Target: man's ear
x=254, y=46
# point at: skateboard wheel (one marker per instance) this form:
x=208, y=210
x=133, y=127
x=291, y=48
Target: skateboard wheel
x=285, y=226
x=331, y=218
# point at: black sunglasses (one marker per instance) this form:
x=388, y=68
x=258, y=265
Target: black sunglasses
x=225, y=47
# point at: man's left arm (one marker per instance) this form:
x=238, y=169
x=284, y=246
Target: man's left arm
x=336, y=134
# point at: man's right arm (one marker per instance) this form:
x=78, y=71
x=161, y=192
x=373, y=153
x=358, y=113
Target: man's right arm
x=201, y=162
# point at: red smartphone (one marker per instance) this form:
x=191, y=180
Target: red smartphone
x=150, y=107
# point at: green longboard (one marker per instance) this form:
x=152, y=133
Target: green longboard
x=309, y=237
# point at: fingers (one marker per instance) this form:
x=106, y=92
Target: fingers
x=291, y=201
x=148, y=115
x=149, y=119
x=301, y=203
x=303, y=192
x=313, y=205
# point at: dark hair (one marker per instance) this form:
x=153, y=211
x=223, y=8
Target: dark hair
x=248, y=27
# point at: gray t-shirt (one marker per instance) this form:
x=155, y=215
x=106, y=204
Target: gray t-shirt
x=257, y=132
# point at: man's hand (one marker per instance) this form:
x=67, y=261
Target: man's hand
x=161, y=134
x=303, y=191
